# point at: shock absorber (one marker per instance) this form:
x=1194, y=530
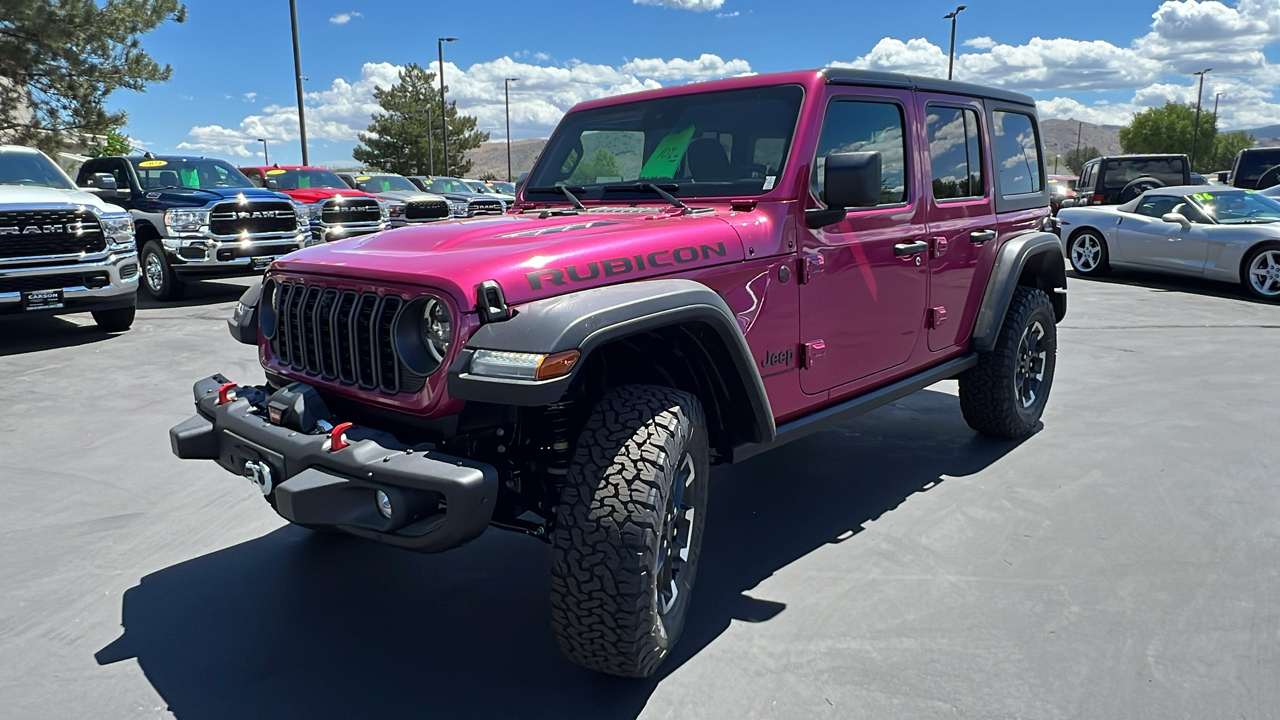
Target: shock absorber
x=558, y=419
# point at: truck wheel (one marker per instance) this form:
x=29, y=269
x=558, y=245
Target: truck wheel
x=158, y=276
x=1005, y=393
x=628, y=530
x=1087, y=252
x=117, y=320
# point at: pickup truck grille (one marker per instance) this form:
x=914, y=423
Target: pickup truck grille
x=39, y=233
x=341, y=336
x=426, y=210
x=350, y=210
x=485, y=207
x=54, y=282
x=253, y=218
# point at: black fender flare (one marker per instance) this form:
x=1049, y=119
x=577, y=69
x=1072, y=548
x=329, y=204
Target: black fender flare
x=588, y=319
x=1035, y=255
x=243, y=322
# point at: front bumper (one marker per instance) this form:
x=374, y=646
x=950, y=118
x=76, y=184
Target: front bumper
x=324, y=232
x=120, y=290
x=440, y=501
x=213, y=255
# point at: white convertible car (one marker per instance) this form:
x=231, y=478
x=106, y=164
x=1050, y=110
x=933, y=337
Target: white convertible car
x=1219, y=233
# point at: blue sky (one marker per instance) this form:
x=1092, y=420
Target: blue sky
x=1089, y=59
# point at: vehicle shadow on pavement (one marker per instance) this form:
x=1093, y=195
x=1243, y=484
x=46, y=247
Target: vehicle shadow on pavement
x=1160, y=282
x=36, y=333
x=300, y=625
x=203, y=292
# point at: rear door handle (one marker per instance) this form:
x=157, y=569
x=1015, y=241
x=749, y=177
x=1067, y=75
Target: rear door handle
x=978, y=237
x=911, y=248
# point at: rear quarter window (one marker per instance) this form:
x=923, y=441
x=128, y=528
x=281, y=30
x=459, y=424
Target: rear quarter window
x=1016, y=144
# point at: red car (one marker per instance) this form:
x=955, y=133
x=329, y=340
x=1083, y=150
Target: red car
x=689, y=276
x=336, y=211
x=1061, y=189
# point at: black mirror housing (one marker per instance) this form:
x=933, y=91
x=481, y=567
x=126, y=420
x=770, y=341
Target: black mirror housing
x=103, y=181
x=272, y=184
x=850, y=180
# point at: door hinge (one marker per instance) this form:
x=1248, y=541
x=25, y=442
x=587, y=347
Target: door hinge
x=937, y=316
x=939, y=246
x=811, y=265
x=811, y=352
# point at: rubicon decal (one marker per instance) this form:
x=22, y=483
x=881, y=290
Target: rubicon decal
x=615, y=267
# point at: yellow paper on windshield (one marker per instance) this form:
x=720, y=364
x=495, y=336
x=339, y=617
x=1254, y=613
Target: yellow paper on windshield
x=277, y=171
x=667, y=156
x=153, y=163
x=362, y=178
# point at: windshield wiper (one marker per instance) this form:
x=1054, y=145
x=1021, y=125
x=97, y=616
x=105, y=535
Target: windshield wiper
x=566, y=190
x=660, y=190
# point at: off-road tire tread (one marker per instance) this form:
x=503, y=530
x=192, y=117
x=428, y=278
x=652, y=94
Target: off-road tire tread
x=607, y=523
x=986, y=397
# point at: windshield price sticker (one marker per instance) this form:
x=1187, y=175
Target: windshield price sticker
x=153, y=163
x=667, y=156
x=362, y=178
x=277, y=171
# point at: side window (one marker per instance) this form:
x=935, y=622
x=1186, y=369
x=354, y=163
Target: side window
x=255, y=176
x=1017, y=155
x=1155, y=206
x=865, y=126
x=87, y=171
x=118, y=171
x=954, y=153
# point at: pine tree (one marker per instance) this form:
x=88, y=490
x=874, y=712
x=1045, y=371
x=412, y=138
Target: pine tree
x=405, y=137
x=61, y=59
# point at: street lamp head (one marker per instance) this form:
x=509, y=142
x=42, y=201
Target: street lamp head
x=448, y=39
x=1202, y=72
x=513, y=79
x=952, y=15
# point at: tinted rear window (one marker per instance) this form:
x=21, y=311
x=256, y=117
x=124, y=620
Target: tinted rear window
x=1170, y=171
x=1253, y=164
x=1017, y=153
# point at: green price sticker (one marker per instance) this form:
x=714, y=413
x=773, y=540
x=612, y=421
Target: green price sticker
x=667, y=156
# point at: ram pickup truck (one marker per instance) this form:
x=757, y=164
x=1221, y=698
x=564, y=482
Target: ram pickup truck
x=690, y=276
x=406, y=204
x=63, y=249
x=335, y=211
x=198, y=218
x=463, y=201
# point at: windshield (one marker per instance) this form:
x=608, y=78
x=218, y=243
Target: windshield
x=305, y=179
x=719, y=144
x=384, y=183
x=29, y=168
x=478, y=187
x=447, y=185
x=202, y=173
x=505, y=188
x=1253, y=164
x=1238, y=207
x=1168, y=170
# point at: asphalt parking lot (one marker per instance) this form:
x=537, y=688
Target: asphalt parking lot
x=1122, y=563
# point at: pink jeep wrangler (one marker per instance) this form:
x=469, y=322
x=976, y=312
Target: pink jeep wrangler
x=690, y=276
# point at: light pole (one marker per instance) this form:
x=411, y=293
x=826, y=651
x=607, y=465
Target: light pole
x=297, y=77
x=1195, y=135
x=506, y=89
x=951, y=57
x=444, y=112
x=266, y=159
x=1216, y=97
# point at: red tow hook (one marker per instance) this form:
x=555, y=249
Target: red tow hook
x=226, y=393
x=336, y=439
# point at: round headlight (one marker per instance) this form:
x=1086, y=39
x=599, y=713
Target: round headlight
x=437, y=328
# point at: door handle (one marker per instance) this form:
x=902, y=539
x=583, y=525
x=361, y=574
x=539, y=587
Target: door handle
x=911, y=248
x=978, y=237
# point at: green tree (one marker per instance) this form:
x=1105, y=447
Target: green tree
x=405, y=137
x=601, y=164
x=1226, y=147
x=1169, y=129
x=1075, y=159
x=115, y=144
x=61, y=59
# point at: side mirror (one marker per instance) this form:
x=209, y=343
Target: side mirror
x=104, y=186
x=850, y=180
x=520, y=182
x=272, y=184
x=1177, y=219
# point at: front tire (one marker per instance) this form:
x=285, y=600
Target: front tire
x=1087, y=252
x=114, y=321
x=1262, y=273
x=629, y=530
x=158, y=277
x=1004, y=395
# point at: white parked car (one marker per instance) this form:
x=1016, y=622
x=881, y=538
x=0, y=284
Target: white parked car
x=1209, y=231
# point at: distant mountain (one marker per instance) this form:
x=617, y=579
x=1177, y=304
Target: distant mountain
x=1060, y=137
x=491, y=158
x=1269, y=135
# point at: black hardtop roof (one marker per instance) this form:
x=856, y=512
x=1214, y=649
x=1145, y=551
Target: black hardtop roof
x=1132, y=156
x=1269, y=148
x=849, y=76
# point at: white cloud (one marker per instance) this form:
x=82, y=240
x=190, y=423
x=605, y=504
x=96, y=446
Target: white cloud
x=538, y=101
x=344, y=18
x=694, y=5
x=981, y=43
x=250, y=97
x=733, y=14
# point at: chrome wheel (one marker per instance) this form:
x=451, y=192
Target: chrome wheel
x=677, y=536
x=153, y=268
x=1086, y=253
x=1028, y=376
x=1264, y=273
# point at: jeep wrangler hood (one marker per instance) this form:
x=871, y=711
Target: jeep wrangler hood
x=531, y=257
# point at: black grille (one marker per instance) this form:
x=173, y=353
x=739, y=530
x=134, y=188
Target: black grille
x=341, y=336
x=426, y=210
x=485, y=207
x=350, y=210
x=253, y=218
x=54, y=282
x=36, y=233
